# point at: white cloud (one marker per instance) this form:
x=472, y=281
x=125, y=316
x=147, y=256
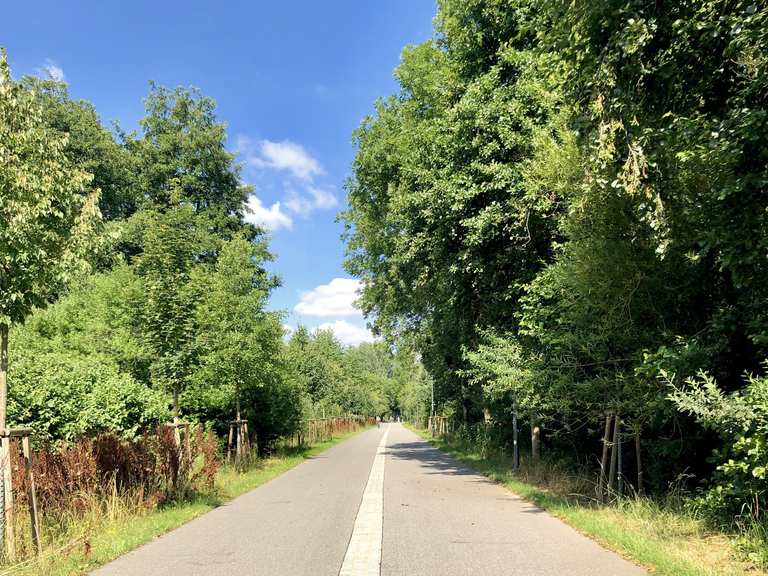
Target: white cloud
x=285, y=155
x=316, y=198
x=299, y=204
x=272, y=218
x=336, y=298
x=348, y=334
x=322, y=198
x=52, y=70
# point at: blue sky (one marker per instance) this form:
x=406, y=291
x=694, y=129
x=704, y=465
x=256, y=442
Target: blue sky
x=291, y=79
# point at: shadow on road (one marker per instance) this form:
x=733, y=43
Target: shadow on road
x=430, y=457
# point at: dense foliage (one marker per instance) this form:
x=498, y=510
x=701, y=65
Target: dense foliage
x=565, y=209
x=135, y=289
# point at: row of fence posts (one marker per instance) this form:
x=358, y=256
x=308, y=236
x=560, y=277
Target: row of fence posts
x=611, y=482
x=7, y=436
x=443, y=427
x=238, y=449
x=323, y=429
x=439, y=425
x=238, y=441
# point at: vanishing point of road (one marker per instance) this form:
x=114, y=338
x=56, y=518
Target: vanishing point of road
x=384, y=502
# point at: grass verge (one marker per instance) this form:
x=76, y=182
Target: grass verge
x=122, y=529
x=666, y=541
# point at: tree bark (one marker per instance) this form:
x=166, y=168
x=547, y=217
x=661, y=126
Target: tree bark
x=604, y=459
x=535, y=442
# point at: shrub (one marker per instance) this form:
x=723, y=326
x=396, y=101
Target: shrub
x=64, y=396
x=738, y=489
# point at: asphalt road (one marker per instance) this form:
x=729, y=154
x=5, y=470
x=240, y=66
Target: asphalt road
x=382, y=498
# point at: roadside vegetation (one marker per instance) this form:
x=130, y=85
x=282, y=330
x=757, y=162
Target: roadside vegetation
x=110, y=522
x=664, y=535
x=564, y=210
x=138, y=350
x=560, y=222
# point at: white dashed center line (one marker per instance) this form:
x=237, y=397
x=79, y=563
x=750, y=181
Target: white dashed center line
x=363, y=556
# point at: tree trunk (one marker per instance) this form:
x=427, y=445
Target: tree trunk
x=5, y=449
x=239, y=428
x=604, y=459
x=535, y=442
x=614, y=455
x=639, y=461
x=619, y=459
x=515, y=447
x=3, y=374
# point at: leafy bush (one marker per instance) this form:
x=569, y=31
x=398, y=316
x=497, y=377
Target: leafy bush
x=64, y=396
x=739, y=486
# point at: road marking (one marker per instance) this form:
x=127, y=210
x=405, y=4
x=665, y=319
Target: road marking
x=363, y=557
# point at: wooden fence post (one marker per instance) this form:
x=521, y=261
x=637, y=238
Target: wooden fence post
x=604, y=459
x=188, y=445
x=31, y=493
x=614, y=454
x=639, y=461
x=10, y=542
x=619, y=462
x=229, y=442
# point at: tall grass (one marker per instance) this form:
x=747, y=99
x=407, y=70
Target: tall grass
x=102, y=497
x=93, y=480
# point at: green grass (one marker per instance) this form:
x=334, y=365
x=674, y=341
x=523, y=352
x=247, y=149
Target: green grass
x=106, y=536
x=666, y=541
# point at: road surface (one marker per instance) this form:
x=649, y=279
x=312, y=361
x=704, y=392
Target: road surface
x=384, y=503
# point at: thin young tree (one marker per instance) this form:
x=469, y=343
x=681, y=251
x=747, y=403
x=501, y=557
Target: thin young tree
x=167, y=310
x=239, y=342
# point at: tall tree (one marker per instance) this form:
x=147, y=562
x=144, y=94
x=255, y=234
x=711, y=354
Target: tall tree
x=181, y=158
x=46, y=211
x=239, y=342
x=46, y=217
x=167, y=302
x=441, y=225
x=90, y=146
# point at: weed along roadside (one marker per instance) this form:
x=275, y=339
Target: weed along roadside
x=662, y=536
x=97, y=504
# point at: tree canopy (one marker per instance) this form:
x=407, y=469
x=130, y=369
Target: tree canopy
x=565, y=209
